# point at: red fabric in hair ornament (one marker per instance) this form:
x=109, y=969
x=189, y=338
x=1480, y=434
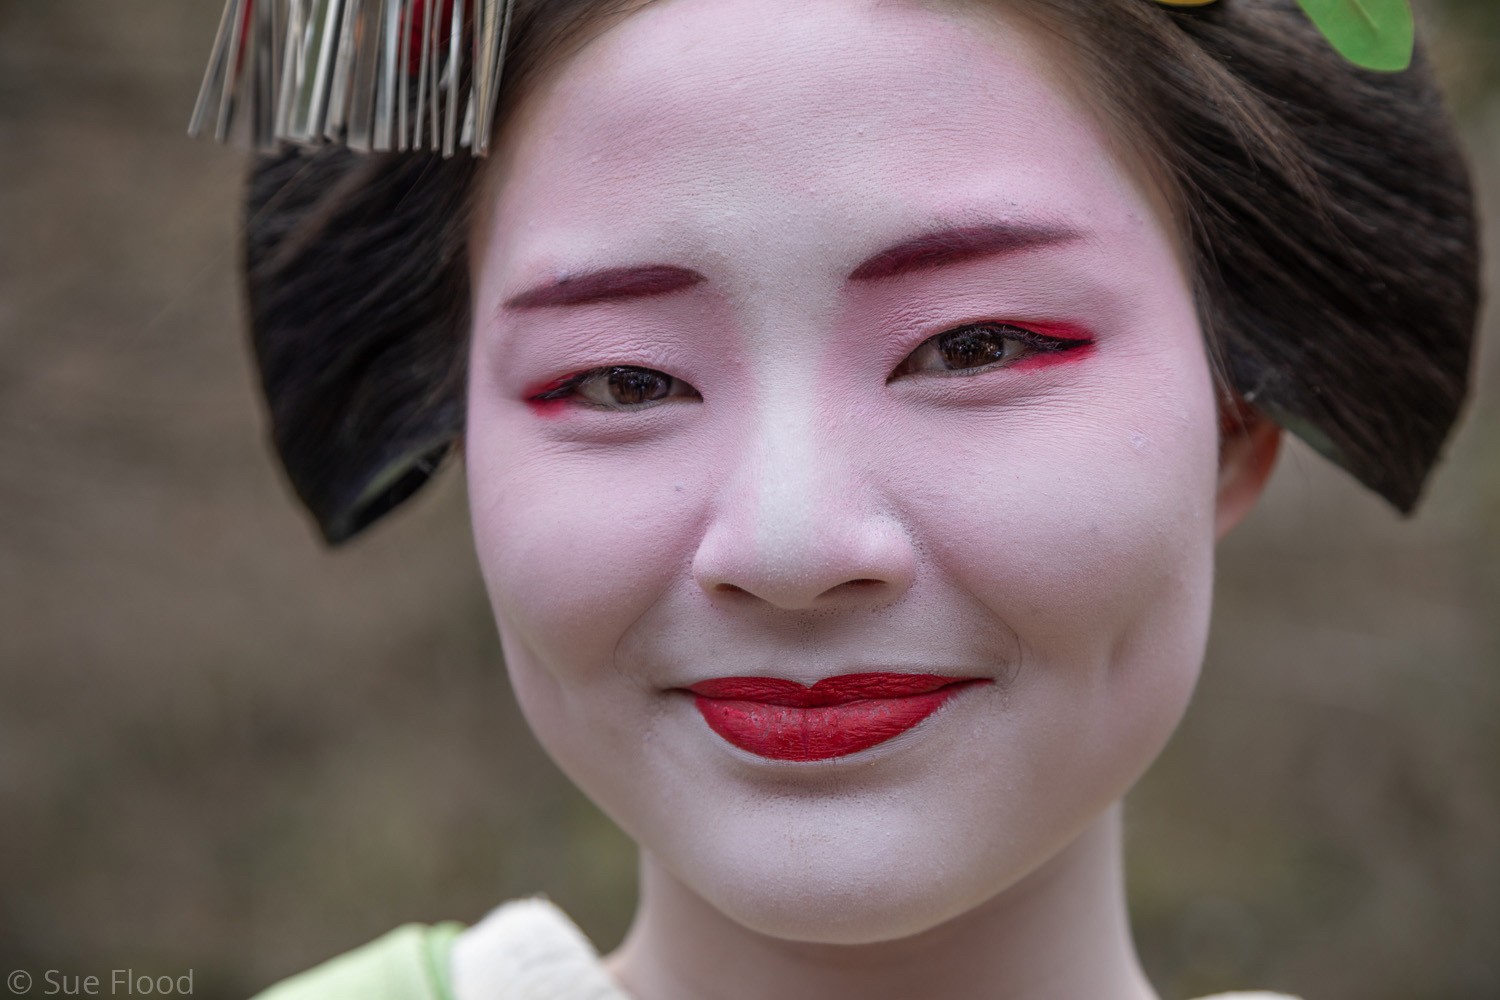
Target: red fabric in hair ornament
x=443, y=29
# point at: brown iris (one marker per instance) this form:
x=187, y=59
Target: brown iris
x=972, y=347
x=632, y=386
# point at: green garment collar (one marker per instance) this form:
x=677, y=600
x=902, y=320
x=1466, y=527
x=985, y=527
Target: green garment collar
x=409, y=963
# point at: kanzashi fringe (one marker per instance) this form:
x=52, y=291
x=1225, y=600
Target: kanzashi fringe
x=371, y=74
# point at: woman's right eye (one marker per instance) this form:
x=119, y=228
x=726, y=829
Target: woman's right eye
x=619, y=387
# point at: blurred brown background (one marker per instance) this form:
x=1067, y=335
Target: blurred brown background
x=224, y=749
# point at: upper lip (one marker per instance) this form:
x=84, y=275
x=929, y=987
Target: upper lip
x=839, y=690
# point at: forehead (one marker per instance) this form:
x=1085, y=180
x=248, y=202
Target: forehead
x=694, y=125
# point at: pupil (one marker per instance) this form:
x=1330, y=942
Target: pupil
x=971, y=349
x=636, y=385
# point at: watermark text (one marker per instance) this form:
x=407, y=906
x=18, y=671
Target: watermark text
x=115, y=983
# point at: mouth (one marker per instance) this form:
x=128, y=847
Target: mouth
x=837, y=716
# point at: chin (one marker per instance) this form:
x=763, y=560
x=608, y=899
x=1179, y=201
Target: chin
x=838, y=906
x=840, y=913
x=856, y=870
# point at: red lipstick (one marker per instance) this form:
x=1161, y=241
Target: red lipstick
x=837, y=716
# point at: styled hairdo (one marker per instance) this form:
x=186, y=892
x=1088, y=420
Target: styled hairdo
x=1326, y=211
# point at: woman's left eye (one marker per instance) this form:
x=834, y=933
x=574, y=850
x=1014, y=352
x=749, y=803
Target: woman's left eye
x=620, y=387
x=968, y=350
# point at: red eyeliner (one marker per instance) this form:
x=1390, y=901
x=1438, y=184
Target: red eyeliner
x=1077, y=344
x=1057, y=331
x=539, y=397
x=1047, y=359
x=837, y=716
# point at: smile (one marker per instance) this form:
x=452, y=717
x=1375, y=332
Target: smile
x=837, y=716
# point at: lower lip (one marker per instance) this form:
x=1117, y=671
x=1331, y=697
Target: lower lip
x=837, y=716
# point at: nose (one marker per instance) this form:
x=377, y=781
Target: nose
x=797, y=526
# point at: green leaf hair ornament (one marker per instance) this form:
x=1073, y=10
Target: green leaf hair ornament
x=1374, y=34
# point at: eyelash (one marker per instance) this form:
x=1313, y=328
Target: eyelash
x=1004, y=333
x=614, y=378
x=618, y=379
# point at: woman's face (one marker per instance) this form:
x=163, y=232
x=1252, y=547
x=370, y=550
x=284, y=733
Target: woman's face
x=828, y=339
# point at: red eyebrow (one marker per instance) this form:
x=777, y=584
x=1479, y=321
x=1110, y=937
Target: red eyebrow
x=601, y=286
x=949, y=246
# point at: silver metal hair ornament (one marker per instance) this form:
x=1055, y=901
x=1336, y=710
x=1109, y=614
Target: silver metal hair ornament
x=375, y=75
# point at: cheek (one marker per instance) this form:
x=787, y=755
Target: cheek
x=1106, y=533
x=573, y=551
x=1087, y=530
x=1092, y=541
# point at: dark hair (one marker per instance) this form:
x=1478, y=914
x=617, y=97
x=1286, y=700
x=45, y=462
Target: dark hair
x=1326, y=210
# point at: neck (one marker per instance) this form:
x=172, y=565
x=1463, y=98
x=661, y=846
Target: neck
x=1058, y=934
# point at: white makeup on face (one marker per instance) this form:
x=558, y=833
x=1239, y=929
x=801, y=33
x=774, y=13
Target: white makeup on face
x=738, y=452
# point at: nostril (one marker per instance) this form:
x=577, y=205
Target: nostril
x=864, y=583
x=850, y=562
x=853, y=589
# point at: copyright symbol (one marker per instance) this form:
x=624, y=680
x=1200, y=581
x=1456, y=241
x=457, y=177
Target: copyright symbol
x=19, y=981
